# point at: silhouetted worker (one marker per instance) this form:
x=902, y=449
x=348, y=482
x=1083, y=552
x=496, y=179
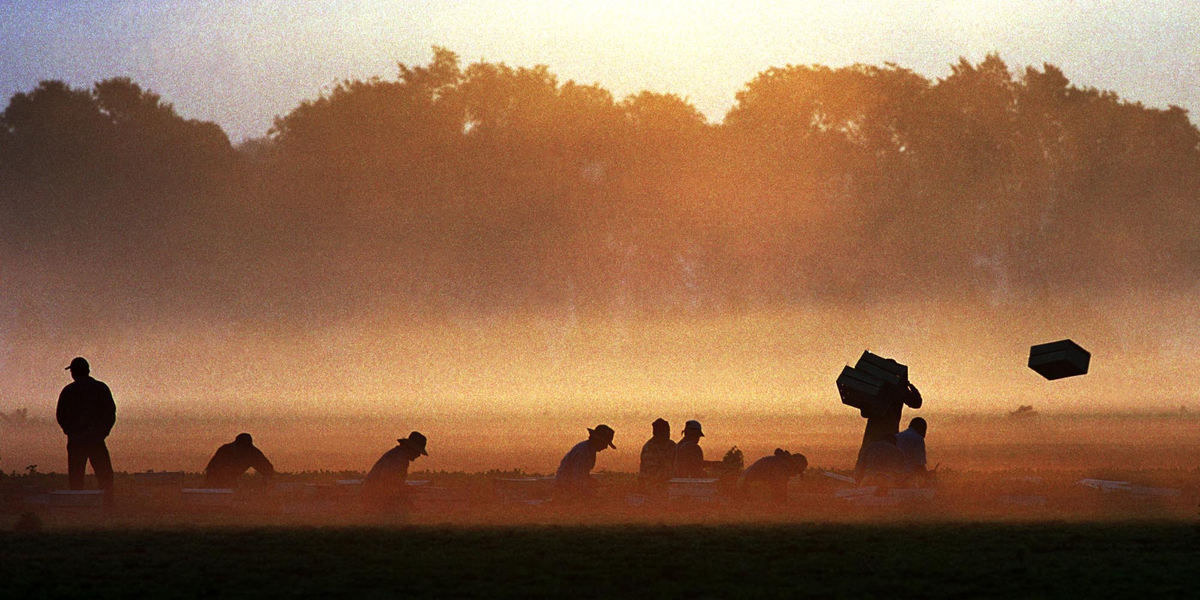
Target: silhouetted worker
x=86, y=412
x=881, y=462
x=883, y=418
x=899, y=461
x=911, y=443
x=657, y=460
x=233, y=459
x=772, y=473
x=385, y=482
x=574, y=476
x=689, y=457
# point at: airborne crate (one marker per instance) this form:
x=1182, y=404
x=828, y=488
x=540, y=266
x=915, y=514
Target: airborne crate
x=1056, y=360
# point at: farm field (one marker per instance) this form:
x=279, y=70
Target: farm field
x=1017, y=513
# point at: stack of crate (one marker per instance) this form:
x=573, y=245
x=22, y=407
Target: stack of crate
x=863, y=386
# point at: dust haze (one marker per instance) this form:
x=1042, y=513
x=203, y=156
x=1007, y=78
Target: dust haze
x=483, y=241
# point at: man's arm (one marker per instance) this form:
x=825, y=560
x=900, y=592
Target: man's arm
x=261, y=465
x=62, y=411
x=913, y=397
x=108, y=410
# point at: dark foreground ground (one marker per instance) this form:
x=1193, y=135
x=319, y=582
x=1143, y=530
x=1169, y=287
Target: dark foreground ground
x=927, y=560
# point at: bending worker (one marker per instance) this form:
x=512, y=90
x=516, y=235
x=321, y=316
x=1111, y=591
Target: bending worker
x=233, y=459
x=573, y=479
x=384, y=484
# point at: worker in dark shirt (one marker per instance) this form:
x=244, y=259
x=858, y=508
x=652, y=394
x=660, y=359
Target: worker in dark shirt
x=233, y=459
x=657, y=458
x=771, y=474
x=883, y=419
x=384, y=485
x=86, y=413
x=689, y=457
x=911, y=443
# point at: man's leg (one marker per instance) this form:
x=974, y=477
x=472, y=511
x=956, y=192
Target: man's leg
x=77, y=457
x=101, y=465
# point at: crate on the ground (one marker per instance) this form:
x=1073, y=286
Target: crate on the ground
x=77, y=498
x=524, y=490
x=164, y=478
x=208, y=497
x=434, y=498
x=692, y=488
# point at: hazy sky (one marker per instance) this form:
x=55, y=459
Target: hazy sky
x=242, y=63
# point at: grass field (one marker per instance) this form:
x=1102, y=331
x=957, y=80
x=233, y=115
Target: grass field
x=1080, y=542
x=929, y=560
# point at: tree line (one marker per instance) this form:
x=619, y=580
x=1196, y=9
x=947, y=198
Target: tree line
x=491, y=187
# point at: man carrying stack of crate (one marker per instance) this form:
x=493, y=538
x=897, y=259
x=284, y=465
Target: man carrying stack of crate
x=879, y=388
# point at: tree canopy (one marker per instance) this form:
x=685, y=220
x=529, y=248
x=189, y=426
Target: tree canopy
x=491, y=186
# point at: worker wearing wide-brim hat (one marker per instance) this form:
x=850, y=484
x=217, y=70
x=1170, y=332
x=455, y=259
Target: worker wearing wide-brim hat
x=574, y=476
x=384, y=484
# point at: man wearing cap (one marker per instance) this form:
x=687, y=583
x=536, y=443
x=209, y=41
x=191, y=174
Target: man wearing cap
x=235, y=458
x=574, y=476
x=658, y=454
x=689, y=457
x=384, y=485
x=86, y=412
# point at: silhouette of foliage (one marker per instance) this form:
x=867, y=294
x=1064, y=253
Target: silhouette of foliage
x=488, y=186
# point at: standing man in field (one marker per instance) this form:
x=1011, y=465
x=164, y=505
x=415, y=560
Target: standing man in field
x=658, y=453
x=86, y=413
x=573, y=480
x=384, y=485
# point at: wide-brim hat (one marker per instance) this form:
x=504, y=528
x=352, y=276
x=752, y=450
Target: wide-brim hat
x=605, y=433
x=416, y=441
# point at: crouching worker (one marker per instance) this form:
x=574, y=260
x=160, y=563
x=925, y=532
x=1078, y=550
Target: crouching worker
x=234, y=459
x=573, y=480
x=769, y=475
x=384, y=486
